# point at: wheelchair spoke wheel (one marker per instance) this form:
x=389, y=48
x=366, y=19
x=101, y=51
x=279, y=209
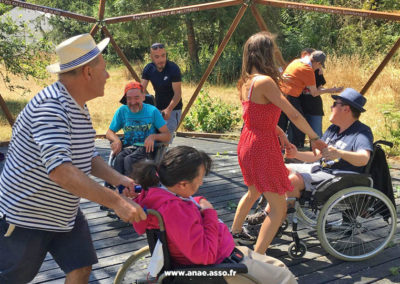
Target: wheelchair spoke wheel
x=307, y=215
x=356, y=223
x=134, y=269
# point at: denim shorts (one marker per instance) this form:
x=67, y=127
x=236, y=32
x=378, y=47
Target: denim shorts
x=23, y=252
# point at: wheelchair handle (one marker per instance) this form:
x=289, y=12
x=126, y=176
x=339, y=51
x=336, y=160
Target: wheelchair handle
x=157, y=215
x=138, y=188
x=384, y=142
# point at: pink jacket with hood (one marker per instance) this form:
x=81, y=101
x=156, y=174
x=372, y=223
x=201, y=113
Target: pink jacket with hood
x=193, y=237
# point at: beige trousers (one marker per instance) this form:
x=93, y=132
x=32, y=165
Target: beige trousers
x=263, y=268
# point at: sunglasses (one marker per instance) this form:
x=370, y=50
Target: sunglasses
x=156, y=46
x=338, y=103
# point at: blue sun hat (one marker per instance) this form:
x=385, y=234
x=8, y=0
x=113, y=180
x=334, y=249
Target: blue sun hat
x=352, y=97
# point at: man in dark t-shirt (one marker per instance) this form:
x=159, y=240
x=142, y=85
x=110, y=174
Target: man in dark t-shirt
x=165, y=76
x=350, y=144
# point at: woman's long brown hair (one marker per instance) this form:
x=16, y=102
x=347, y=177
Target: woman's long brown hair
x=258, y=52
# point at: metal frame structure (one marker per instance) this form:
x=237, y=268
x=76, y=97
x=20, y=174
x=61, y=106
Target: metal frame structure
x=102, y=23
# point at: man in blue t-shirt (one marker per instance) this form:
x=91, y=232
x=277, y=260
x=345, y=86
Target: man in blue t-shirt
x=165, y=76
x=349, y=141
x=140, y=123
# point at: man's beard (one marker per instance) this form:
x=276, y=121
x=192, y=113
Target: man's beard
x=135, y=107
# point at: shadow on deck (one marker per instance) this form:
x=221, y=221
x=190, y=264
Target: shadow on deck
x=115, y=240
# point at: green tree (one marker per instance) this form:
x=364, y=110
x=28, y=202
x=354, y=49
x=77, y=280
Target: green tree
x=16, y=55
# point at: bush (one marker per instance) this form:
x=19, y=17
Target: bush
x=211, y=115
x=392, y=127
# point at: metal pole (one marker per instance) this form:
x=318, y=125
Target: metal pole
x=380, y=67
x=210, y=67
x=120, y=54
x=49, y=10
x=263, y=26
x=173, y=11
x=95, y=28
x=8, y=114
x=330, y=9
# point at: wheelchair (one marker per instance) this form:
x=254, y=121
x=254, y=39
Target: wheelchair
x=134, y=269
x=354, y=214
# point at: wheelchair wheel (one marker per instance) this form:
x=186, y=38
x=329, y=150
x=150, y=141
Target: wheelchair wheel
x=308, y=215
x=356, y=223
x=134, y=269
x=295, y=251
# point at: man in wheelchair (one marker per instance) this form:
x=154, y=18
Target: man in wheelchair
x=350, y=143
x=143, y=126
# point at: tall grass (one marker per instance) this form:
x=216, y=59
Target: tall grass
x=341, y=71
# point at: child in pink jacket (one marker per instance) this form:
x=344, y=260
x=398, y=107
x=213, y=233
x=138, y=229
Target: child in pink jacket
x=195, y=235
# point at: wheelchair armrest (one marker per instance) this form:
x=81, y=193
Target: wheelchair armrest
x=238, y=267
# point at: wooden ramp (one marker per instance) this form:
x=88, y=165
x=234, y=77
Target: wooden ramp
x=115, y=240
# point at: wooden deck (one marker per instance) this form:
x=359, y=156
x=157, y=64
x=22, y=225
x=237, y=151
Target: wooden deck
x=115, y=240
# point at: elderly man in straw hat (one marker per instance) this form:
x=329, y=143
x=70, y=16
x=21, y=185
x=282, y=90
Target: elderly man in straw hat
x=46, y=173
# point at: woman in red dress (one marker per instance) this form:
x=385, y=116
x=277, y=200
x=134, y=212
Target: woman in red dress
x=259, y=150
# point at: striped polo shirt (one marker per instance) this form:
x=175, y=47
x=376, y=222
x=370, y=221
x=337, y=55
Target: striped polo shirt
x=52, y=129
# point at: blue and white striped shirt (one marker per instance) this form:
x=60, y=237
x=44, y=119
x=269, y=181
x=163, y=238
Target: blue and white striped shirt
x=52, y=129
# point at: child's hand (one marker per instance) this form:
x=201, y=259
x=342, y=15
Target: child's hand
x=204, y=204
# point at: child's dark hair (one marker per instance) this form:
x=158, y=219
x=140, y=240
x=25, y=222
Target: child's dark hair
x=178, y=164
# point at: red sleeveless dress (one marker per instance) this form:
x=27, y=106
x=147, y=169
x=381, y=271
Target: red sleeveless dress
x=259, y=151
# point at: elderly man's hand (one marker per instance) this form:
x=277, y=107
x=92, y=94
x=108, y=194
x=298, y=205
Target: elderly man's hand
x=149, y=143
x=129, y=211
x=116, y=146
x=129, y=190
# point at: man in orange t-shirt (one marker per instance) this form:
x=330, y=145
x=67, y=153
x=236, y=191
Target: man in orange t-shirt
x=299, y=74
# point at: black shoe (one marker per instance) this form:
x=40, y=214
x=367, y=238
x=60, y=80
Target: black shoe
x=256, y=218
x=253, y=230
x=244, y=238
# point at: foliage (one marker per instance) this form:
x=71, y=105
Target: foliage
x=18, y=57
x=211, y=115
x=392, y=125
x=335, y=34
x=394, y=270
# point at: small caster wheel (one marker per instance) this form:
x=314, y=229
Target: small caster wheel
x=285, y=225
x=297, y=251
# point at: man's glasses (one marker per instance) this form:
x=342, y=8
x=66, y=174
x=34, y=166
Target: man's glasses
x=338, y=103
x=156, y=46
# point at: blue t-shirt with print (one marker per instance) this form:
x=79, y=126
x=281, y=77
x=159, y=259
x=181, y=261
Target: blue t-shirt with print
x=137, y=126
x=162, y=82
x=357, y=137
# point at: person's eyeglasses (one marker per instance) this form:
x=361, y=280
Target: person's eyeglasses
x=156, y=46
x=338, y=103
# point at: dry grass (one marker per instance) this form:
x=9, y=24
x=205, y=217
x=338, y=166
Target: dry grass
x=342, y=71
